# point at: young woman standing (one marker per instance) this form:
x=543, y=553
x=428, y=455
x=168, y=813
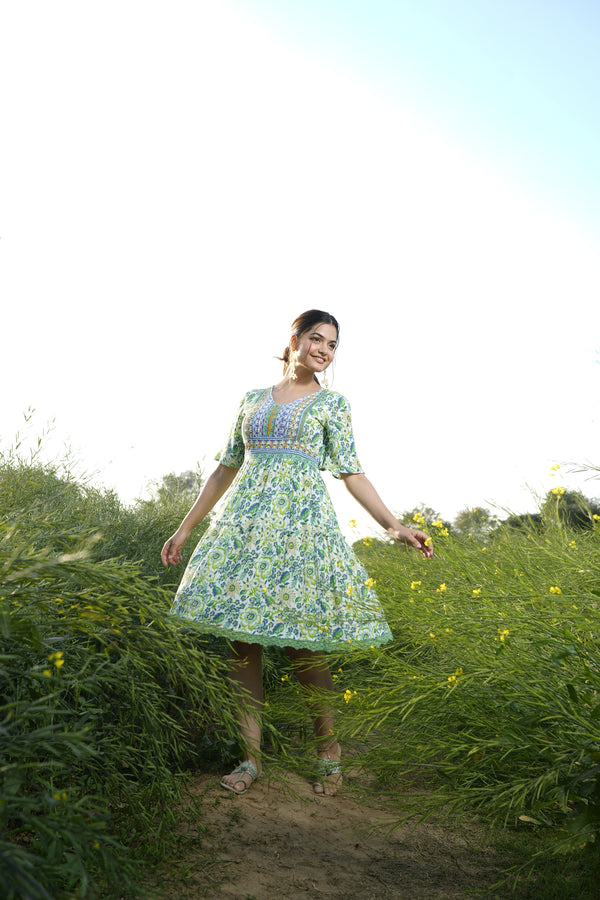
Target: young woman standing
x=274, y=569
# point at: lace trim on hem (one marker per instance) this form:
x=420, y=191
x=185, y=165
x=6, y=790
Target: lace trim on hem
x=267, y=640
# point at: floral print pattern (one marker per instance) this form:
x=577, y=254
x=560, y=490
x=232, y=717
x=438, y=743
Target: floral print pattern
x=274, y=568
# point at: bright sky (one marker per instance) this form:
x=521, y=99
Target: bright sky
x=181, y=179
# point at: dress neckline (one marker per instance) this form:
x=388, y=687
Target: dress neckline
x=297, y=400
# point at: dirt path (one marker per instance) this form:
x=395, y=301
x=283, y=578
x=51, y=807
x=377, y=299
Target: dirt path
x=280, y=840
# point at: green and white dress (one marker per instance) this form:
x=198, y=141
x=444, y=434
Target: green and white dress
x=273, y=568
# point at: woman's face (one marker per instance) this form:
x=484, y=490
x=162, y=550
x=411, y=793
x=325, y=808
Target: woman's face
x=316, y=347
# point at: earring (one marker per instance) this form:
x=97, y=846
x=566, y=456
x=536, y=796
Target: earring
x=292, y=364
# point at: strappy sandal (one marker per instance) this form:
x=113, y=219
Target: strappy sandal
x=325, y=767
x=244, y=768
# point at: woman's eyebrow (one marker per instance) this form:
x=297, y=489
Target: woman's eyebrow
x=318, y=334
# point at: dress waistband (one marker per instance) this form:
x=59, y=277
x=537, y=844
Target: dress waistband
x=280, y=447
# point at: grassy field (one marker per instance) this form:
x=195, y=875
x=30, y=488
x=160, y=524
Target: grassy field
x=486, y=702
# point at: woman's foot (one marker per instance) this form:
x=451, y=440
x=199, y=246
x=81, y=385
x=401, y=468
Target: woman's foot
x=329, y=769
x=241, y=778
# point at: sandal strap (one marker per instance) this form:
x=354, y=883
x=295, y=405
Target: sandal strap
x=246, y=768
x=326, y=766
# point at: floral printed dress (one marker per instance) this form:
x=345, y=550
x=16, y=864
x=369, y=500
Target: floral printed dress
x=274, y=568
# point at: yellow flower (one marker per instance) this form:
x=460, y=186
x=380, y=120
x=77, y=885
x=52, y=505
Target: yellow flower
x=438, y=523
x=449, y=630
x=503, y=633
x=414, y=585
x=367, y=540
x=555, y=589
x=596, y=517
x=370, y=582
x=558, y=490
x=573, y=545
x=352, y=523
x=554, y=469
x=441, y=589
x=47, y=673
x=431, y=635
x=419, y=518
x=476, y=592
x=428, y=542
x=57, y=658
x=349, y=695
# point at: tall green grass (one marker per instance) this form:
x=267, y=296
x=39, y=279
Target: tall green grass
x=488, y=697
x=104, y=698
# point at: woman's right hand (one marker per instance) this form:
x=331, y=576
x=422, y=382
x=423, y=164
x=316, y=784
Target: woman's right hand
x=171, y=552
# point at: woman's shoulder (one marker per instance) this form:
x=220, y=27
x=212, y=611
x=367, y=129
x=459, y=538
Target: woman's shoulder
x=334, y=398
x=255, y=393
x=334, y=404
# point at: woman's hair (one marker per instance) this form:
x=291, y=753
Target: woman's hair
x=305, y=322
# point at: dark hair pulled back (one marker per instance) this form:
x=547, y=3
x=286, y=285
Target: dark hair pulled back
x=306, y=321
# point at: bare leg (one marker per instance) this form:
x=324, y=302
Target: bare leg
x=245, y=671
x=313, y=672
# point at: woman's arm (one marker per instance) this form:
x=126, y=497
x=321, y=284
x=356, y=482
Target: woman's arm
x=214, y=488
x=363, y=491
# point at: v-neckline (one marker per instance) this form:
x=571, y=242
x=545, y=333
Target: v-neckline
x=289, y=403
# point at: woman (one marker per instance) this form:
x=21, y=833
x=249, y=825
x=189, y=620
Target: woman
x=273, y=569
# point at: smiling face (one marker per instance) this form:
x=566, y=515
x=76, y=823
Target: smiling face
x=316, y=347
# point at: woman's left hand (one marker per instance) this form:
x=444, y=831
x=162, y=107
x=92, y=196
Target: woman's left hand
x=417, y=539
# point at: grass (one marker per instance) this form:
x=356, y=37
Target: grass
x=485, y=702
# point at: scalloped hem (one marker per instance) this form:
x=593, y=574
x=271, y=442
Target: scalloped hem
x=267, y=640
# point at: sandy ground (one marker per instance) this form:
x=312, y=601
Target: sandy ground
x=280, y=840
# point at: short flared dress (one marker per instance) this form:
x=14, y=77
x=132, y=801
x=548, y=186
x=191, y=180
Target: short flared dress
x=273, y=567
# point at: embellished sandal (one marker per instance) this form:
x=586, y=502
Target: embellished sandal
x=244, y=768
x=326, y=767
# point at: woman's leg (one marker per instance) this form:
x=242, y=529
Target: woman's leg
x=245, y=672
x=313, y=672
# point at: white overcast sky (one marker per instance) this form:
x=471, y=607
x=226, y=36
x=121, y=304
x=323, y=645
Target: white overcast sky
x=180, y=179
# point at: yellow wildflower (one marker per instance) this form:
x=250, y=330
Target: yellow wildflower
x=370, y=582
x=419, y=518
x=441, y=589
x=438, y=523
x=555, y=589
x=573, y=545
x=503, y=633
x=352, y=523
x=596, y=517
x=554, y=469
x=349, y=695
x=414, y=585
x=476, y=592
x=47, y=673
x=558, y=490
x=431, y=635
x=367, y=540
x=57, y=658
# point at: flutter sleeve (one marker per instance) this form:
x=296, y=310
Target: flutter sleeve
x=340, y=452
x=232, y=453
